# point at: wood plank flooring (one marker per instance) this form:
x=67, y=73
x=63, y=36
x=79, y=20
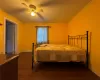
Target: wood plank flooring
x=52, y=71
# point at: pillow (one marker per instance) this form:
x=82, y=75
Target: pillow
x=43, y=45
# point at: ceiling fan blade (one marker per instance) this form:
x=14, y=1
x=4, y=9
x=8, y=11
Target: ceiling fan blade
x=56, y=2
x=19, y=10
x=32, y=6
x=25, y=4
x=40, y=15
x=50, y=3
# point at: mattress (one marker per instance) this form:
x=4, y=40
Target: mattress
x=59, y=53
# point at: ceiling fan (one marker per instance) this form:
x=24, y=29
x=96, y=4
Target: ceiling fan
x=33, y=9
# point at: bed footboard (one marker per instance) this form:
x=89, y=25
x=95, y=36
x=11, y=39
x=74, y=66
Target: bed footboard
x=32, y=55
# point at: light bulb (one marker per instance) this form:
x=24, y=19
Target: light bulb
x=32, y=14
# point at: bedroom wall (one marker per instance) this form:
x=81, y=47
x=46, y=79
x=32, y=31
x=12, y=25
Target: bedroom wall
x=26, y=33
x=3, y=16
x=57, y=34
x=89, y=19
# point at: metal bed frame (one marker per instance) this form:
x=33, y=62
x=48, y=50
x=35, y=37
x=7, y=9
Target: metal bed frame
x=71, y=41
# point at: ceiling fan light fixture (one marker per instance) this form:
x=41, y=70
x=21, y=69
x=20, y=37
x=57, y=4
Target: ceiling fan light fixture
x=33, y=13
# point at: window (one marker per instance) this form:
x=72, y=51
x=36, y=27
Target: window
x=42, y=35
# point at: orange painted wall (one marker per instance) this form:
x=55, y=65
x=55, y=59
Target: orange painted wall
x=89, y=19
x=26, y=33
x=3, y=16
x=57, y=34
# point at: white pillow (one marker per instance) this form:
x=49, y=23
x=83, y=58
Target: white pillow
x=43, y=45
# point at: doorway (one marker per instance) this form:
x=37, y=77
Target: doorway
x=10, y=37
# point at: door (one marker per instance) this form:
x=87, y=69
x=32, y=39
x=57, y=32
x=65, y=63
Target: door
x=10, y=37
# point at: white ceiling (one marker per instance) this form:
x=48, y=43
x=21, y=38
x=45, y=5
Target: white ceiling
x=53, y=10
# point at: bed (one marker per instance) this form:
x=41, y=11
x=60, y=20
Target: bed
x=62, y=52
x=59, y=53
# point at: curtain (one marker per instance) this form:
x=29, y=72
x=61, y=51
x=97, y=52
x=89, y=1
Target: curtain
x=42, y=35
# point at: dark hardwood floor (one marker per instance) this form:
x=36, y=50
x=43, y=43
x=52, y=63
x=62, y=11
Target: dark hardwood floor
x=53, y=71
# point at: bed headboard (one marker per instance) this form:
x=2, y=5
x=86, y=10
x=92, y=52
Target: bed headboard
x=74, y=41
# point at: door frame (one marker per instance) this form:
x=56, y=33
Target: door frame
x=15, y=42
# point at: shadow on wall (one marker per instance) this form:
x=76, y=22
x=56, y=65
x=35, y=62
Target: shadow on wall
x=90, y=40
x=78, y=8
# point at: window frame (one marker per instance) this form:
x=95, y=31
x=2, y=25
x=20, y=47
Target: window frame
x=47, y=32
